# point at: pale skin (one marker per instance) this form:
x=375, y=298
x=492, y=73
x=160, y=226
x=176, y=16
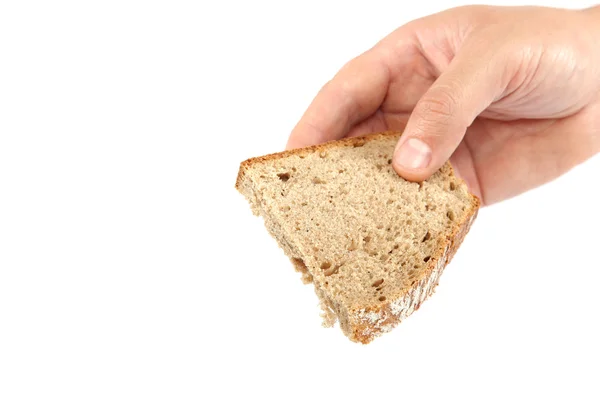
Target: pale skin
x=510, y=95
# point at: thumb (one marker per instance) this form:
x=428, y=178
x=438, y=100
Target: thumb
x=440, y=118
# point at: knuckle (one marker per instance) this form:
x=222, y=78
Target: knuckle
x=327, y=86
x=439, y=108
x=349, y=67
x=441, y=103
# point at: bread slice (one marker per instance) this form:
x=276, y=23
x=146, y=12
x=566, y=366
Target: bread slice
x=373, y=244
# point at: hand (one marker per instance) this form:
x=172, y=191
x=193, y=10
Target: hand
x=511, y=95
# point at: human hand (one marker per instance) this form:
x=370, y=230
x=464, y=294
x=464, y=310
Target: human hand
x=511, y=95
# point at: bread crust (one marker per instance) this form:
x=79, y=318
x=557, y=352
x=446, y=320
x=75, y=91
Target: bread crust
x=367, y=324
x=346, y=142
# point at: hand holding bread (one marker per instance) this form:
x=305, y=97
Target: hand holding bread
x=511, y=95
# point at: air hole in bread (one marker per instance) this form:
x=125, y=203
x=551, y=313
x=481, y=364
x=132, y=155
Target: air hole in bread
x=285, y=208
x=452, y=186
x=284, y=176
x=323, y=154
x=427, y=258
x=318, y=181
x=389, y=161
x=299, y=264
x=367, y=239
x=381, y=298
x=377, y=283
x=359, y=144
x=332, y=271
x=299, y=261
x=326, y=265
x=427, y=237
x=450, y=215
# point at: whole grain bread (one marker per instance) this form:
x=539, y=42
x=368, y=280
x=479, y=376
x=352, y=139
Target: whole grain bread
x=373, y=244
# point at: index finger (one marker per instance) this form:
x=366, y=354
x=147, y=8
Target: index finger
x=355, y=93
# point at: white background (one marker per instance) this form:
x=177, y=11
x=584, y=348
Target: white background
x=130, y=268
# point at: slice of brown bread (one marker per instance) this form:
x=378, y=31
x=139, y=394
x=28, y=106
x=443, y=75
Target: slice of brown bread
x=373, y=244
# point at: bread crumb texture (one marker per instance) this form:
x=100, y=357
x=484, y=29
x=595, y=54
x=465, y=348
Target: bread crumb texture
x=373, y=244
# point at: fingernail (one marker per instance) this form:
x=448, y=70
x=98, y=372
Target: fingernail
x=413, y=154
